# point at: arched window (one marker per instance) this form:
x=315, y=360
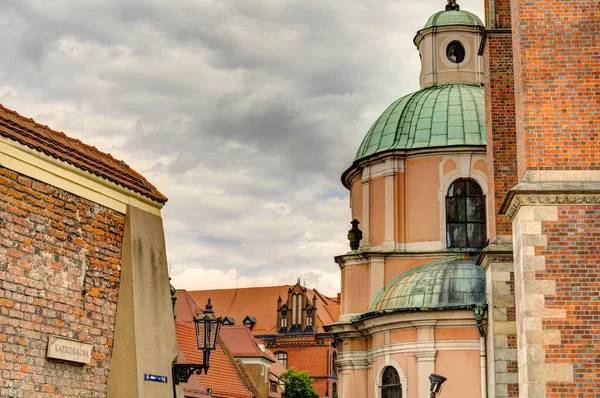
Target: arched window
x=465, y=215
x=282, y=357
x=390, y=383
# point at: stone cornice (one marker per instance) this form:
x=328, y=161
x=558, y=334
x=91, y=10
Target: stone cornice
x=515, y=200
x=499, y=251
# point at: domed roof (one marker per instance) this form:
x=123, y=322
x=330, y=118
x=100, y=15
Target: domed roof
x=440, y=115
x=445, y=284
x=453, y=17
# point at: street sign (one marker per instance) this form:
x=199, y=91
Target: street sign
x=160, y=379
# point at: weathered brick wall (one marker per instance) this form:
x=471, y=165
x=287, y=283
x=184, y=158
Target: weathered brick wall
x=500, y=128
x=259, y=374
x=557, y=83
x=52, y=246
x=572, y=258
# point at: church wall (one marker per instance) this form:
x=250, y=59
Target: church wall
x=557, y=250
x=500, y=126
x=356, y=295
x=377, y=205
x=422, y=206
x=400, y=203
x=462, y=368
x=456, y=333
x=60, y=258
x=556, y=84
x=356, y=200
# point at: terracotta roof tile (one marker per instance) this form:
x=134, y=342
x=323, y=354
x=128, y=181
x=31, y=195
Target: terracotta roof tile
x=241, y=342
x=85, y=157
x=261, y=303
x=222, y=377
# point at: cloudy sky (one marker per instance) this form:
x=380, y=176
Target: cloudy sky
x=243, y=112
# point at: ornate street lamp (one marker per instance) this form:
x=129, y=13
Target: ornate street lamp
x=207, y=331
x=436, y=384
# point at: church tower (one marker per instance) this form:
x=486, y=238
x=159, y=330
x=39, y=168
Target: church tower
x=413, y=297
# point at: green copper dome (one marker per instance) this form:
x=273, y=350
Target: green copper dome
x=451, y=283
x=453, y=17
x=436, y=116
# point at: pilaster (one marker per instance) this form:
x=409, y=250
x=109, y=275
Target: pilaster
x=501, y=336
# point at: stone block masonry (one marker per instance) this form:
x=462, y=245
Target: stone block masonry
x=557, y=248
x=59, y=275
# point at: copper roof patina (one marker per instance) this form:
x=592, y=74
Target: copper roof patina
x=447, y=284
x=453, y=17
x=451, y=114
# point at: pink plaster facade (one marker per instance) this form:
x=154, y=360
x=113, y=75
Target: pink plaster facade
x=399, y=197
x=400, y=201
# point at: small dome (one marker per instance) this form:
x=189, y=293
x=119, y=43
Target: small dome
x=453, y=17
x=441, y=115
x=451, y=283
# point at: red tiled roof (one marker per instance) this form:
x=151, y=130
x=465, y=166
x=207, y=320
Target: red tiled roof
x=261, y=303
x=241, y=342
x=222, y=376
x=85, y=157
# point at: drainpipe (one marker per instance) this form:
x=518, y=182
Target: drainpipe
x=478, y=310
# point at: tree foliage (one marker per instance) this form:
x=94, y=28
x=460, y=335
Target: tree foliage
x=298, y=384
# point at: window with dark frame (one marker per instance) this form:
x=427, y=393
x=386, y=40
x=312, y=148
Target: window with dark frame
x=391, y=387
x=282, y=357
x=465, y=215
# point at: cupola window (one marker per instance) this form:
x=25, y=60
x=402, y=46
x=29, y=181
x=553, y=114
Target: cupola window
x=465, y=215
x=455, y=52
x=390, y=383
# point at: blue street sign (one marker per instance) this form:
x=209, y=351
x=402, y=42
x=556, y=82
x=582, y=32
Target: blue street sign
x=160, y=379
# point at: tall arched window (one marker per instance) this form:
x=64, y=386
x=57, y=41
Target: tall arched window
x=465, y=215
x=390, y=383
x=282, y=357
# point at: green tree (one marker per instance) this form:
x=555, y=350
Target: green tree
x=298, y=384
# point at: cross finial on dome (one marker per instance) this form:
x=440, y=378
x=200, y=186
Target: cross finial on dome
x=452, y=6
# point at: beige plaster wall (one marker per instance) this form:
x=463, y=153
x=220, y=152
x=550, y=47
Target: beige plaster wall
x=145, y=340
x=435, y=66
x=422, y=205
x=463, y=370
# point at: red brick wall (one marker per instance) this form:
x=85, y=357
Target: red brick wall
x=314, y=359
x=48, y=238
x=557, y=83
x=572, y=254
x=500, y=128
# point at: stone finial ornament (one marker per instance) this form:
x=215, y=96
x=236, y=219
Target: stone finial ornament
x=452, y=6
x=354, y=235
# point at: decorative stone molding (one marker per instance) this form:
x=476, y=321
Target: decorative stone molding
x=514, y=203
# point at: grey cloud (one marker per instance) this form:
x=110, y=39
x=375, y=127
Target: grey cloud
x=244, y=113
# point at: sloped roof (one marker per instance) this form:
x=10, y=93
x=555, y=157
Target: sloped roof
x=261, y=303
x=241, y=342
x=222, y=377
x=85, y=157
